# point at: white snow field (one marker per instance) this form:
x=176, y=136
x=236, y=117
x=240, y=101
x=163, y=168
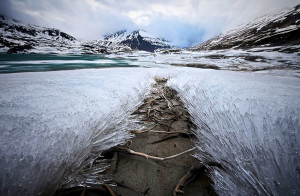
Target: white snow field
x=50, y=122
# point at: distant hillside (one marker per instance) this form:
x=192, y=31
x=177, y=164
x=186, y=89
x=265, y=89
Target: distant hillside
x=16, y=36
x=278, y=29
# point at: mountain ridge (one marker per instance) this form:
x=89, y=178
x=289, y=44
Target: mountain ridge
x=276, y=29
x=18, y=37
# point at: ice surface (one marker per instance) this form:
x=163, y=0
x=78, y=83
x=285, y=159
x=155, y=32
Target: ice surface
x=54, y=123
x=230, y=59
x=51, y=122
x=249, y=123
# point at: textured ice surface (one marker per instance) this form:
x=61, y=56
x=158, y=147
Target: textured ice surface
x=51, y=122
x=248, y=122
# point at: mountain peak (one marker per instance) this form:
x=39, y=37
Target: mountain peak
x=135, y=40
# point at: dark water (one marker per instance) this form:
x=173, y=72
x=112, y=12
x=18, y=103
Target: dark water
x=14, y=63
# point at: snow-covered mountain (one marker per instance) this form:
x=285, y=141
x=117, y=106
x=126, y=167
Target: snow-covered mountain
x=277, y=29
x=136, y=40
x=16, y=36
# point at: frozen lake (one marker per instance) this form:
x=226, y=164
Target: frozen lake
x=258, y=59
x=53, y=122
x=15, y=63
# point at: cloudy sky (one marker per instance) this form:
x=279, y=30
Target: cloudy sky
x=183, y=22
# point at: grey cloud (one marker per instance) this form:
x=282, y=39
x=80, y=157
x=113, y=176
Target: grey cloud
x=5, y=8
x=183, y=22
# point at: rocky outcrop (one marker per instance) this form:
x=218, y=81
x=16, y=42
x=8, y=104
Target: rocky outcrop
x=18, y=49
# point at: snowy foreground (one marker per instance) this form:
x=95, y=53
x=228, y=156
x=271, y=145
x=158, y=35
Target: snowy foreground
x=52, y=122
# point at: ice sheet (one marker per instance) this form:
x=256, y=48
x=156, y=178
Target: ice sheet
x=249, y=123
x=51, y=122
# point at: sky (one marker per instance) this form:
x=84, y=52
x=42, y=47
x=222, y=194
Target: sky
x=183, y=22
